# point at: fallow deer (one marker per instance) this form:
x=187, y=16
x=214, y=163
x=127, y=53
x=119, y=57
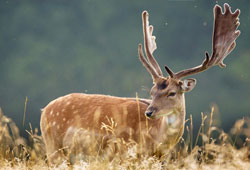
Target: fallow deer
x=162, y=117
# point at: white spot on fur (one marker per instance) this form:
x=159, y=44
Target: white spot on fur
x=68, y=103
x=51, y=113
x=54, y=123
x=57, y=113
x=75, y=112
x=64, y=119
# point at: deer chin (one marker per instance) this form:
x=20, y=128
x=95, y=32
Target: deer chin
x=163, y=114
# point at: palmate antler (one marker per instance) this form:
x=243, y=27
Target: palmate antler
x=224, y=35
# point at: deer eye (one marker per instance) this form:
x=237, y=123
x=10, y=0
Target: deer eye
x=172, y=94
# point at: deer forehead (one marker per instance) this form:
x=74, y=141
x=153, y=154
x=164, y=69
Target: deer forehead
x=167, y=84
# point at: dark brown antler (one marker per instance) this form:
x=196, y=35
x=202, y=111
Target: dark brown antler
x=224, y=36
x=150, y=46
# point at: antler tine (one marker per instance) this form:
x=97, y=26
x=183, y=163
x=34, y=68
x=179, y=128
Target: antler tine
x=224, y=35
x=169, y=71
x=148, y=66
x=149, y=42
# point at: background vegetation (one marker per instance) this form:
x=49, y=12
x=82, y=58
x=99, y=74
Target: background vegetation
x=52, y=48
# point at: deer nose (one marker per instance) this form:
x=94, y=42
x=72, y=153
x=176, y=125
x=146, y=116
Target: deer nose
x=149, y=113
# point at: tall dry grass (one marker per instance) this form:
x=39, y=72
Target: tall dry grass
x=225, y=151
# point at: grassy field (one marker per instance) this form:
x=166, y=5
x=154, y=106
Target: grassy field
x=225, y=151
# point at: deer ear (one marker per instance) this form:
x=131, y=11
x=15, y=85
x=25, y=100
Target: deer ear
x=188, y=84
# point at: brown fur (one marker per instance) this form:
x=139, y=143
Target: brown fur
x=89, y=112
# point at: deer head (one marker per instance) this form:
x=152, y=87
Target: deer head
x=168, y=92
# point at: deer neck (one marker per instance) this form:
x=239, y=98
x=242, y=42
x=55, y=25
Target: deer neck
x=172, y=126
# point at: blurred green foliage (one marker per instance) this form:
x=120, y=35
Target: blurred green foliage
x=52, y=48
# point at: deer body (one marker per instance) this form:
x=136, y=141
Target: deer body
x=90, y=111
x=157, y=121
